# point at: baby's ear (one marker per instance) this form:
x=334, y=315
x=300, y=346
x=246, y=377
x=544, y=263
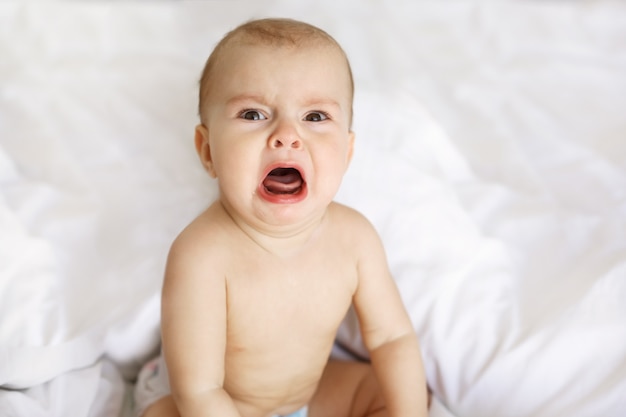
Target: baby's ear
x=204, y=149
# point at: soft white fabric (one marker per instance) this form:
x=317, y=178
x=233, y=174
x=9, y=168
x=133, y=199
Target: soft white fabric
x=490, y=155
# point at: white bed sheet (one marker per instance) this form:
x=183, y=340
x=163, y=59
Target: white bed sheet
x=491, y=156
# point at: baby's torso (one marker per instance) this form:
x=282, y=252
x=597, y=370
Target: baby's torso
x=283, y=313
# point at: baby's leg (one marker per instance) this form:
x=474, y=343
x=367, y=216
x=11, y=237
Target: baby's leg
x=348, y=389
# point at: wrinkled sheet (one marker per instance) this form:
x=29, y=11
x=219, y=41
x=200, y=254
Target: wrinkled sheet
x=490, y=155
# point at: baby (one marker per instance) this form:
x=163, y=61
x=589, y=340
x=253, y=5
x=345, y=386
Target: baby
x=256, y=287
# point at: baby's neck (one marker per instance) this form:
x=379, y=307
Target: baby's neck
x=281, y=240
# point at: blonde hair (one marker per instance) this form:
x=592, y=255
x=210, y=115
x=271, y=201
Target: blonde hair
x=273, y=32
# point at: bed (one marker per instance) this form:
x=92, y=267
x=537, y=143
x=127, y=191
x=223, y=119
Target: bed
x=490, y=156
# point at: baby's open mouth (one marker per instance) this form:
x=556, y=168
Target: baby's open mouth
x=282, y=181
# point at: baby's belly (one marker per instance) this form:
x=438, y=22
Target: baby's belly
x=249, y=407
x=267, y=385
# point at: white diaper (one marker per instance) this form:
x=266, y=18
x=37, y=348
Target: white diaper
x=152, y=385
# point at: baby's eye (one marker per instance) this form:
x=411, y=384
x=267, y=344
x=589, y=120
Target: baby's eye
x=252, y=115
x=316, y=116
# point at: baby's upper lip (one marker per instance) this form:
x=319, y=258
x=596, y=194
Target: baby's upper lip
x=283, y=168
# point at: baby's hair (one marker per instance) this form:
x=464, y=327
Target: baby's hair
x=272, y=32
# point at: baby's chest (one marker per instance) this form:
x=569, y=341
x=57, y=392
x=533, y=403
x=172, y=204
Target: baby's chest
x=267, y=303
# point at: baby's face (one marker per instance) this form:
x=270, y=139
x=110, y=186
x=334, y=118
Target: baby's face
x=278, y=129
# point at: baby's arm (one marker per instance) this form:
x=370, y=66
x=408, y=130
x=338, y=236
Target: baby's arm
x=388, y=333
x=193, y=326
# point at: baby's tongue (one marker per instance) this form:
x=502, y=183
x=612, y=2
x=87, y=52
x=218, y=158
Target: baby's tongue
x=283, y=181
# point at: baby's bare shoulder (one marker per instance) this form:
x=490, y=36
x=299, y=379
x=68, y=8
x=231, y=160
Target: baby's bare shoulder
x=349, y=220
x=356, y=232
x=204, y=237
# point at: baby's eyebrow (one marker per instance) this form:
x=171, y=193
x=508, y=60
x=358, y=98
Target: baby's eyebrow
x=245, y=98
x=256, y=98
x=321, y=102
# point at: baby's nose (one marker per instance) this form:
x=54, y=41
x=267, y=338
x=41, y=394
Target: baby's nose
x=285, y=137
x=287, y=142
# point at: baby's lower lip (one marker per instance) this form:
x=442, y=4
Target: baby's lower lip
x=286, y=198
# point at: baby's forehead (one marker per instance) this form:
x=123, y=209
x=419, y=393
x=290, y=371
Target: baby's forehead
x=253, y=55
x=244, y=64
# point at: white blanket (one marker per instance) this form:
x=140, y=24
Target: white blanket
x=490, y=155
